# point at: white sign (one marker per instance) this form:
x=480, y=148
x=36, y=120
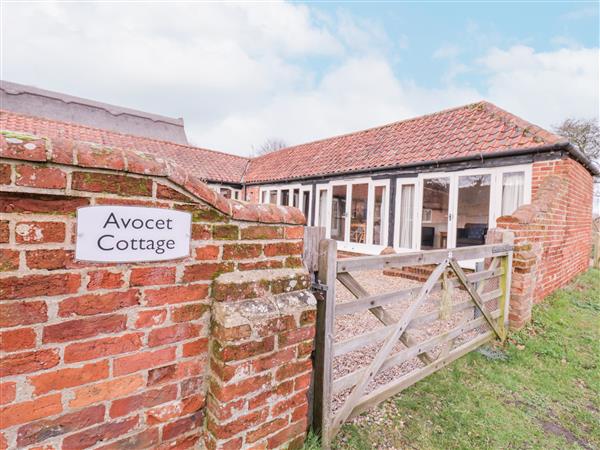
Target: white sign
x=131, y=234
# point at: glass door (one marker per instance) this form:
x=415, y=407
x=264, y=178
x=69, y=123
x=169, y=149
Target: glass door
x=435, y=213
x=472, y=209
x=404, y=234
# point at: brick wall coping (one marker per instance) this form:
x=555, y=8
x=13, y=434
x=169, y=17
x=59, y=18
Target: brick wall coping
x=542, y=203
x=251, y=311
x=25, y=147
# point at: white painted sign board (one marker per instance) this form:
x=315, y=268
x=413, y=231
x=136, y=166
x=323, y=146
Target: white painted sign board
x=131, y=234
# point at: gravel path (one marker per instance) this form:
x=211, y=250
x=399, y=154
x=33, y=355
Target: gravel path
x=351, y=325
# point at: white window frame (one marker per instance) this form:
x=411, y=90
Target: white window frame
x=416, y=223
x=495, y=206
x=307, y=214
x=317, y=200
x=279, y=188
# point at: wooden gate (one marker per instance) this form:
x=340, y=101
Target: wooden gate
x=480, y=298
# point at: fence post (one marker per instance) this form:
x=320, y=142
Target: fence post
x=596, y=247
x=327, y=273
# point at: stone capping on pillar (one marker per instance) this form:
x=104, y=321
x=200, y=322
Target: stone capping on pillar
x=36, y=149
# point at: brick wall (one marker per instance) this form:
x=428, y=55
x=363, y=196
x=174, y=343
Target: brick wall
x=552, y=234
x=116, y=356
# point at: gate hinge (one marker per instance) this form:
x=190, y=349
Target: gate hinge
x=316, y=286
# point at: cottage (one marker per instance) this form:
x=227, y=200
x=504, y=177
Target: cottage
x=437, y=181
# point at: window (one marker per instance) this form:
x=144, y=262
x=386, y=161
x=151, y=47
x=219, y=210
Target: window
x=513, y=188
x=296, y=198
x=285, y=197
x=306, y=203
x=225, y=192
x=273, y=197
x=263, y=198
x=379, y=216
x=406, y=215
x=323, y=207
x=359, y=209
x=338, y=213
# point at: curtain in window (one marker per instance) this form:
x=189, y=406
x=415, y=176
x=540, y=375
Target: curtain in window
x=513, y=189
x=406, y=215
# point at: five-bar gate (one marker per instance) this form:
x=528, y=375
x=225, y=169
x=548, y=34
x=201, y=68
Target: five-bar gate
x=478, y=301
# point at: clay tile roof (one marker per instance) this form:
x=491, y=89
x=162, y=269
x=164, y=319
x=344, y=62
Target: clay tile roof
x=479, y=128
x=206, y=164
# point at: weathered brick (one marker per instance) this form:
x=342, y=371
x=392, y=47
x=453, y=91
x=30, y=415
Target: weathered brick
x=39, y=285
x=69, y=377
x=246, y=350
x=17, y=339
x=176, y=294
x=141, y=361
x=195, y=348
x=36, y=432
x=230, y=429
x=104, y=279
x=9, y=260
x=28, y=149
x=192, y=386
x=4, y=232
x=189, y=312
x=181, y=426
x=266, y=429
x=147, y=399
x=242, y=251
x=26, y=362
x=41, y=177
x=261, y=232
x=287, y=434
x=223, y=291
x=29, y=411
x=174, y=333
x=166, y=413
x=168, y=193
x=5, y=171
x=239, y=332
x=146, y=439
x=149, y=276
x=296, y=336
x=205, y=271
x=111, y=183
x=107, y=431
x=174, y=372
x=289, y=403
x=93, y=155
x=229, y=392
x=92, y=304
x=39, y=232
x=98, y=348
x=225, y=232
x=283, y=249
x=106, y=390
x=83, y=328
x=39, y=204
x=50, y=259
x=201, y=232
x=151, y=318
x=261, y=265
x=8, y=392
x=207, y=252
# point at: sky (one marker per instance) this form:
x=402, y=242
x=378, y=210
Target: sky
x=242, y=73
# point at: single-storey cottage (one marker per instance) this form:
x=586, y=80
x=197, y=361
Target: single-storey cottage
x=437, y=181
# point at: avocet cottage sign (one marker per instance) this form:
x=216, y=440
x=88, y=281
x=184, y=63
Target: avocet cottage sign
x=131, y=233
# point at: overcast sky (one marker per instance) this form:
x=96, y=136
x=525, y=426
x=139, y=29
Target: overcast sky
x=240, y=73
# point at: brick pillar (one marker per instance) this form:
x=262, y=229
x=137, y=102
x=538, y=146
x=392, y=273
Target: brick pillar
x=260, y=372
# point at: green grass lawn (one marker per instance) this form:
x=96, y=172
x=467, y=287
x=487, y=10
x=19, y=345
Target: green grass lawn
x=541, y=390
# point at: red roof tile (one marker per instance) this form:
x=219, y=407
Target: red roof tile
x=479, y=128
x=206, y=164
x=476, y=129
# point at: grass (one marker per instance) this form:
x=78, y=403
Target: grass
x=541, y=390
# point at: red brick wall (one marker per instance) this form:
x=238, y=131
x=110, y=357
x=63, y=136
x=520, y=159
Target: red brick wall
x=117, y=355
x=552, y=234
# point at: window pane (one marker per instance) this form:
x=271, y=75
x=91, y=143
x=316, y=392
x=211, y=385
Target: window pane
x=378, y=215
x=323, y=208
x=225, y=192
x=273, y=197
x=473, y=210
x=434, y=228
x=285, y=197
x=264, y=197
x=338, y=213
x=513, y=187
x=407, y=203
x=296, y=198
x=306, y=203
x=358, y=218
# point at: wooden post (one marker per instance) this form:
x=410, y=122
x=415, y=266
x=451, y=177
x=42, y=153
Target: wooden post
x=312, y=237
x=324, y=339
x=505, y=280
x=596, y=247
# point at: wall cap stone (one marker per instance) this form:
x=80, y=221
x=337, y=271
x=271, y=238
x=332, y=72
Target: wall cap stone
x=35, y=149
x=249, y=312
